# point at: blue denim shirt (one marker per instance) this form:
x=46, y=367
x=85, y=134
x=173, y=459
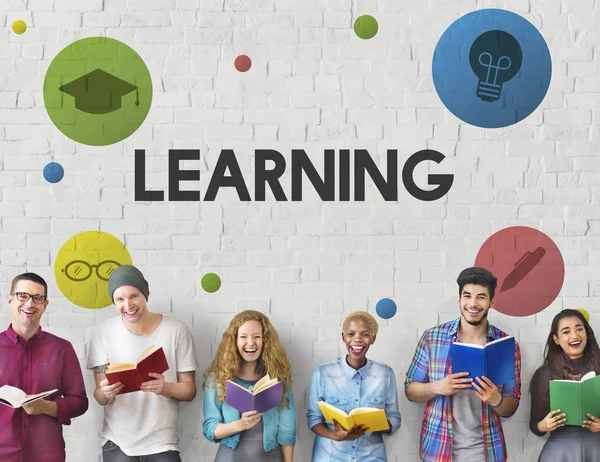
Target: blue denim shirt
x=336, y=383
x=279, y=424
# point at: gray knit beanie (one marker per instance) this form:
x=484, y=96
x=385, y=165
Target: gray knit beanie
x=127, y=275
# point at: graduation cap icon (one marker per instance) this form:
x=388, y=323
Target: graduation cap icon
x=99, y=92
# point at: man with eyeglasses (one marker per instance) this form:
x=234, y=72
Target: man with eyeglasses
x=35, y=361
x=141, y=426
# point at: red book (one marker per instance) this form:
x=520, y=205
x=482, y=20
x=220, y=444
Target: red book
x=152, y=359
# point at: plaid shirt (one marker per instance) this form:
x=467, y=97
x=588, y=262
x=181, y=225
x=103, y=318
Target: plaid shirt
x=430, y=363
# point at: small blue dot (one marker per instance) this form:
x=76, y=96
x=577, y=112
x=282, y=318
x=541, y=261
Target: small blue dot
x=386, y=308
x=53, y=172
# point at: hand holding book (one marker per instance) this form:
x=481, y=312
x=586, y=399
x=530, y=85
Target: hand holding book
x=249, y=419
x=41, y=406
x=593, y=424
x=453, y=383
x=111, y=390
x=339, y=434
x=487, y=391
x=155, y=384
x=552, y=421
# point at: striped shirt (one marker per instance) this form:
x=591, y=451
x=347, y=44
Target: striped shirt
x=431, y=363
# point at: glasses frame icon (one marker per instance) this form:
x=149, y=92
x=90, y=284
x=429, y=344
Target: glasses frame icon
x=90, y=268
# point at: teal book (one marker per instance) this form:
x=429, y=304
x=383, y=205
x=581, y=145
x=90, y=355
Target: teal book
x=576, y=398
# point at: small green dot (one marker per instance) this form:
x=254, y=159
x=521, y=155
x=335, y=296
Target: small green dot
x=366, y=27
x=211, y=282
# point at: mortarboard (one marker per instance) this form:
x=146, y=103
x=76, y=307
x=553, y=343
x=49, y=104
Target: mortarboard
x=99, y=92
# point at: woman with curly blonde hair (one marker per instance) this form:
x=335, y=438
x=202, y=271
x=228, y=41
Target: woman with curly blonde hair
x=250, y=348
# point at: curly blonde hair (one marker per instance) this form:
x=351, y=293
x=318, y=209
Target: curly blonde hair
x=368, y=319
x=228, y=362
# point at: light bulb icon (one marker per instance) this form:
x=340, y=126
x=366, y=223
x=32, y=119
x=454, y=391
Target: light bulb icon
x=495, y=58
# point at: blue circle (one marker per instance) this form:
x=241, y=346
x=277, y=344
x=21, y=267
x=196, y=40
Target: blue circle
x=53, y=172
x=479, y=85
x=386, y=308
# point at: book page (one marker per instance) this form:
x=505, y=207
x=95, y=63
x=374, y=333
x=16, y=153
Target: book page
x=589, y=375
x=119, y=367
x=360, y=410
x=471, y=345
x=13, y=395
x=499, y=340
x=147, y=352
x=264, y=385
x=31, y=398
x=260, y=382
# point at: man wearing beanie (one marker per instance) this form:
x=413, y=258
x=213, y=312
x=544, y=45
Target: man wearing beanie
x=141, y=425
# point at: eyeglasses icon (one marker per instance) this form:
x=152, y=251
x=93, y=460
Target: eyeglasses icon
x=80, y=270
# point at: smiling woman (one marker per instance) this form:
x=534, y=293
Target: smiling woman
x=571, y=351
x=348, y=383
x=250, y=349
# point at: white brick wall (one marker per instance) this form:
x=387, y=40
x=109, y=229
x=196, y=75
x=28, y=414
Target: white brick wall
x=313, y=85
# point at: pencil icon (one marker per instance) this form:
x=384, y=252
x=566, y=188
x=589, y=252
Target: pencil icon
x=522, y=268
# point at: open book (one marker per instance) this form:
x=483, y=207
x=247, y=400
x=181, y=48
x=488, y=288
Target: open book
x=576, y=398
x=152, y=359
x=264, y=395
x=495, y=360
x=15, y=397
x=372, y=418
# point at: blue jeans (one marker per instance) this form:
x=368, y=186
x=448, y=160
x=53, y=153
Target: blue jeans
x=112, y=453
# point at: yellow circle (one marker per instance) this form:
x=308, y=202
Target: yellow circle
x=19, y=27
x=585, y=314
x=83, y=266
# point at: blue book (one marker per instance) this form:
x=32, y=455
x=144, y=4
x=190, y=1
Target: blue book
x=495, y=360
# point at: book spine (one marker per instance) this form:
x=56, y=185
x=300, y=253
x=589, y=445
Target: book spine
x=580, y=417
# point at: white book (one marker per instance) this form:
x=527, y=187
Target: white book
x=15, y=397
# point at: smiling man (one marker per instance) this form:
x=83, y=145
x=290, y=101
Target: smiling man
x=349, y=382
x=462, y=425
x=36, y=361
x=141, y=425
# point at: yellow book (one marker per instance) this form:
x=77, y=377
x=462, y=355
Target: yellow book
x=372, y=418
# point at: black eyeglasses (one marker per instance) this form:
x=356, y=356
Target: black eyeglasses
x=24, y=296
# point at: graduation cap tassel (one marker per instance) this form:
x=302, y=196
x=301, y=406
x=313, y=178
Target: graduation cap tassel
x=137, y=96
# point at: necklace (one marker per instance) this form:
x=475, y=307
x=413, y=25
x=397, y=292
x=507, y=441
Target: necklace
x=573, y=376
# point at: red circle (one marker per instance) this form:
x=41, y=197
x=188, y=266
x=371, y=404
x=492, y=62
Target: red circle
x=242, y=63
x=529, y=267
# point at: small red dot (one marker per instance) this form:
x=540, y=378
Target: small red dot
x=242, y=63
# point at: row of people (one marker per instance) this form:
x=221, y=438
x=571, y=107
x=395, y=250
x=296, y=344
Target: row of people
x=461, y=421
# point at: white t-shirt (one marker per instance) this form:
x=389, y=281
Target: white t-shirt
x=142, y=423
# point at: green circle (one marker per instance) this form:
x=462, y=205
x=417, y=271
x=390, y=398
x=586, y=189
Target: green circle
x=97, y=91
x=366, y=27
x=211, y=282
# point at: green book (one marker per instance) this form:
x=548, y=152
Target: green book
x=576, y=398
